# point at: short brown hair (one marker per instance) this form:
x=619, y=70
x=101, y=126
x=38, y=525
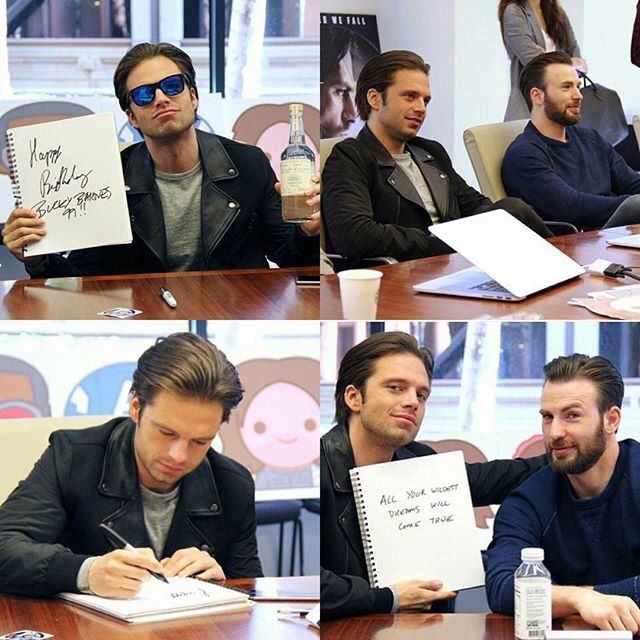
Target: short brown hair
x=188, y=365
x=378, y=74
x=145, y=51
x=598, y=370
x=533, y=74
x=358, y=364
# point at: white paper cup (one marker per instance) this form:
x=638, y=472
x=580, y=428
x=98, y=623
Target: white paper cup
x=359, y=293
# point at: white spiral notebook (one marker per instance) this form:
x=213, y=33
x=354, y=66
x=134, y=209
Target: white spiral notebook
x=416, y=521
x=156, y=601
x=69, y=172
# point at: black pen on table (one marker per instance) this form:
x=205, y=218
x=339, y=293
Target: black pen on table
x=167, y=296
x=120, y=543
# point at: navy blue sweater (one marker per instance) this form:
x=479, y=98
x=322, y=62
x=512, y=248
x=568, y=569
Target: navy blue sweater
x=581, y=181
x=586, y=542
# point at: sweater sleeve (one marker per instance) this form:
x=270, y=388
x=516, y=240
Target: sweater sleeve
x=528, y=173
x=516, y=526
x=627, y=587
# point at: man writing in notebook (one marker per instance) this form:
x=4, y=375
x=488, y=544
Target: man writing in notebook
x=382, y=387
x=196, y=200
x=383, y=190
x=568, y=173
x=152, y=477
x=583, y=508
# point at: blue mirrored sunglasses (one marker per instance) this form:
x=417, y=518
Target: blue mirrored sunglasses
x=146, y=93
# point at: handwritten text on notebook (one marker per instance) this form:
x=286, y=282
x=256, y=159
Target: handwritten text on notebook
x=55, y=176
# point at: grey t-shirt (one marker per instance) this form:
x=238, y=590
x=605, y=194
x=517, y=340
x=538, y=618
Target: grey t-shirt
x=408, y=165
x=180, y=197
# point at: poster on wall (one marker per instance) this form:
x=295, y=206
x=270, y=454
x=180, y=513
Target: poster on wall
x=347, y=42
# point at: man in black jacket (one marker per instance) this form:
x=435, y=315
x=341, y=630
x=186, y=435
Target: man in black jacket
x=153, y=478
x=196, y=200
x=380, y=396
x=384, y=189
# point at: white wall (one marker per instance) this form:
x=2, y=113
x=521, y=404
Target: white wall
x=469, y=67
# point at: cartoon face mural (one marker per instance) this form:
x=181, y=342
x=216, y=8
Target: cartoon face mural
x=267, y=127
x=275, y=431
x=103, y=391
x=23, y=391
x=281, y=427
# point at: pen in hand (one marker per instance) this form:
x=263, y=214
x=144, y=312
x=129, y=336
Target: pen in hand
x=120, y=543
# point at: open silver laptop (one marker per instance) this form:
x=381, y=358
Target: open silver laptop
x=632, y=241
x=511, y=261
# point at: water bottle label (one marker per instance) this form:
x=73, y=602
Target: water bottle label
x=295, y=176
x=532, y=609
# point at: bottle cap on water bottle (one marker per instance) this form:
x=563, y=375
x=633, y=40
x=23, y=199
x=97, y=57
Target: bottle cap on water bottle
x=532, y=554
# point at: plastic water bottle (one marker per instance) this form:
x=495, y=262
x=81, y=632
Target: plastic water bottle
x=532, y=594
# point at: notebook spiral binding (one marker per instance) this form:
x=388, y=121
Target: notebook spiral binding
x=13, y=172
x=364, y=528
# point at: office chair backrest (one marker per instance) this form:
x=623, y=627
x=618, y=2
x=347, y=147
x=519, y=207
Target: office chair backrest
x=26, y=439
x=486, y=145
x=326, y=147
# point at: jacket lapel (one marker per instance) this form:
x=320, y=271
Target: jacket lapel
x=436, y=179
x=396, y=178
x=200, y=493
x=219, y=210
x=143, y=200
x=119, y=479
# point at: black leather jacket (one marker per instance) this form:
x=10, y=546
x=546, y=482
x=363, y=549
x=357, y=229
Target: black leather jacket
x=49, y=523
x=344, y=584
x=371, y=208
x=240, y=214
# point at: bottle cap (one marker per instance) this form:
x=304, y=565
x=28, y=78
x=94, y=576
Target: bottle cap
x=295, y=108
x=532, y=554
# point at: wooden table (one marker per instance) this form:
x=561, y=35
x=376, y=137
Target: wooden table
x=398, y=300
x=235, y=294
x=69, y=622
x=433, y=626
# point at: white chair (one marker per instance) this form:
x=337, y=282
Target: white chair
x=25, y=440
x=486, y=145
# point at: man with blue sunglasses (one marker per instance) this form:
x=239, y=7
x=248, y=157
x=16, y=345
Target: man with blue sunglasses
x=196, y=200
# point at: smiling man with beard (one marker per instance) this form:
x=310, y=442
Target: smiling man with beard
x=381, y=391
x=567, y=173
x=583, y=508
x=384, y=189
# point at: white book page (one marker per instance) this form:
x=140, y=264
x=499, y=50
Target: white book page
x=156, y=596
x=420, y=519
x=69, y=172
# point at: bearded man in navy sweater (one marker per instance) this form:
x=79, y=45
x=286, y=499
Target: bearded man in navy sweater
x=567, y=173
x=583, y=508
